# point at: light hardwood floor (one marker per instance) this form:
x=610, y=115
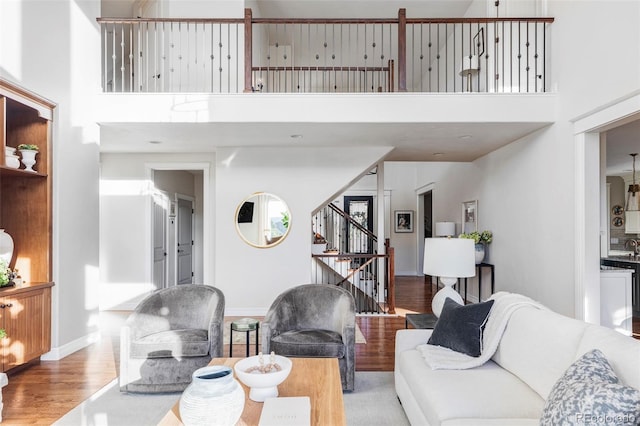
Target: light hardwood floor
x=44, y=392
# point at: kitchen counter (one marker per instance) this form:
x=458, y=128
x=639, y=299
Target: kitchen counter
x=626, y=262
x=624, y=258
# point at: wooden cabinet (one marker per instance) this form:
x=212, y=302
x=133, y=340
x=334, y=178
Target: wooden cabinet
x=25, y=214
x=25, y=313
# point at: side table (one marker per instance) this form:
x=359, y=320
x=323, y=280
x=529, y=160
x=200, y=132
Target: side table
x=246, y=325
x=420, y=320
x=479, y=267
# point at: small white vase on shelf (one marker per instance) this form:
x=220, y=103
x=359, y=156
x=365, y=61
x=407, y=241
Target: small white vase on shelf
x=10, y=157
x=28, y=159
x=6, y=247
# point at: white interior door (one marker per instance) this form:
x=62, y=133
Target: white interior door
x=160, y=217
x=184, y=238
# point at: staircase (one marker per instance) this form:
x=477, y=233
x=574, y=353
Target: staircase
x=344, y=253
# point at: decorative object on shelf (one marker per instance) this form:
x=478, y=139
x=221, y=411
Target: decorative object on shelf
x=403, y=220
x=617, y=221
x=6, y=247
x=449, y=259
x=480, y=239
x=10, y=157
x=4, y=273
x=617, y=210
x=214, y=397
x=7, y=276
x=632, y=208
x=28, y=153
x=263, y=384
x=469, y=216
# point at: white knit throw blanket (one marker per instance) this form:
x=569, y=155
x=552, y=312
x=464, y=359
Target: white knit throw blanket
x=505, y=304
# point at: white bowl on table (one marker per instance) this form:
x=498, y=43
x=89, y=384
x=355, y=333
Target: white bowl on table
x=262, y=385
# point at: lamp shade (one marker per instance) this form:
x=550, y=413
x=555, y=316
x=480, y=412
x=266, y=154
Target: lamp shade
x=449, y=257
x=445, y=229
x=632, y=222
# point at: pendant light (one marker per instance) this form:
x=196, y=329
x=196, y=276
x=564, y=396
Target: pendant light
x=632, y=208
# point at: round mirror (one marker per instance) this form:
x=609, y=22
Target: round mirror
x=263, y=220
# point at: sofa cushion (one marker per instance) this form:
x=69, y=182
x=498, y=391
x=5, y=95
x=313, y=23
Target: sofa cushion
x=622, y=352
x=173, y=343
x=460, y=327
x=590, y=392
x=538, y=346
x=309, y=343
x=486, y=394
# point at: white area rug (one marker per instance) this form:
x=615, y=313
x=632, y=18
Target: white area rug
x=373, y=402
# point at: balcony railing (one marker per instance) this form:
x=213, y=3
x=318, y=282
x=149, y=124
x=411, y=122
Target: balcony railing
x=325, y=55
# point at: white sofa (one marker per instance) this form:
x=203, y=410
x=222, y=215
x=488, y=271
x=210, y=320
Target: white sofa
x=536, y=349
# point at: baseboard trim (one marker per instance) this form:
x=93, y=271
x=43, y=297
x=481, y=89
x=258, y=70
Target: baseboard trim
x=246, y=312
x=67, y=349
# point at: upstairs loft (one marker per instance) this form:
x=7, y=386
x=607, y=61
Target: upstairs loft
x=446, y=89
x=399, y=54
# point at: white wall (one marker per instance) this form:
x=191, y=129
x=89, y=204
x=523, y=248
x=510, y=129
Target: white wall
x=305, y=179
x=125, y=247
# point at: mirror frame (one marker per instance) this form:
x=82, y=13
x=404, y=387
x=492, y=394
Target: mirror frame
x=237, y=223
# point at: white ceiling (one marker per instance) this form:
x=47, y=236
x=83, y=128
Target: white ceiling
x=412, y=141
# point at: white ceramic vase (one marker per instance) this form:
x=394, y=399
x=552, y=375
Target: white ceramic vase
x=480, y=251
x=6, y=247
x=214, y=397
x=10, y=157
x=28, y=159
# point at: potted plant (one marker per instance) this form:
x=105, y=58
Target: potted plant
x=480, y=239
x=5, y=273
x=28, y=152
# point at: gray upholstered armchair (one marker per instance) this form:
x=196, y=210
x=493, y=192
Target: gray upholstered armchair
x=171, y=333
x=314, y=320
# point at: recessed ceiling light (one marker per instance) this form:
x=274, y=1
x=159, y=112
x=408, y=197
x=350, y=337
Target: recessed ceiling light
x=464, y=137
x=155, y=142
x=296, y=136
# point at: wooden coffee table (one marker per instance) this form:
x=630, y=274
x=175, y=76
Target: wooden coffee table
x=317, y=378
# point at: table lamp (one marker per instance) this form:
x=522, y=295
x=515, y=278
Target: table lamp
x=445, y=229
x=448, y=259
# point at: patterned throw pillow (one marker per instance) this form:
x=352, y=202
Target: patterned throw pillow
x=589, y=393
x=460, y=327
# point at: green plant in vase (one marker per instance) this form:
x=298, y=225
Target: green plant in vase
x=28, y=147
x=28, y=152
x=5, y=273
x=481, y=239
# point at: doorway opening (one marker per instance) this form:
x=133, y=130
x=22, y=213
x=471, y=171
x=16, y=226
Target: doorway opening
x=178, y=224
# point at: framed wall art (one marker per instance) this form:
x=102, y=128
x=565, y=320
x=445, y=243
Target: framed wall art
x=469, y=216
x=403, y=220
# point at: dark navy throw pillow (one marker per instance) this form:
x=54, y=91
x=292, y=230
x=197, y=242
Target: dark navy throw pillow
x=460, y=327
